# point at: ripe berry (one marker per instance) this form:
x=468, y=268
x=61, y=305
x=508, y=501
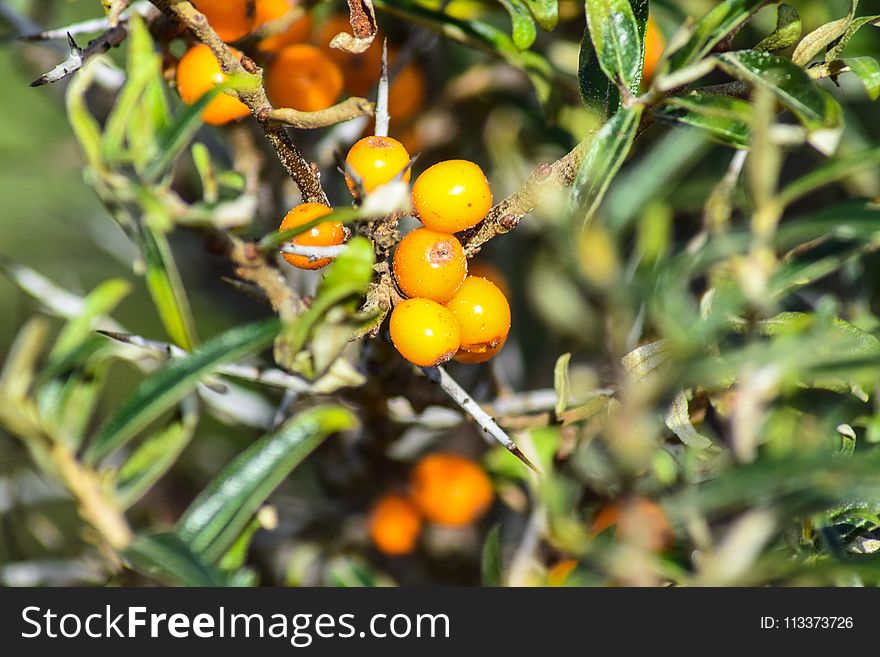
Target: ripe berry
x=424, y=332
x=328, y=233
x=231, y=19
x=483, y=314
x=197, y=73
x=377, y=161
x=303, y=78
x=451, y=196
x=450, y=489
x=297, y=31
x=639, y=521
x=475, y=357
x=654, y=46
x=430, y=265
x=406, y=95
x=395, y=525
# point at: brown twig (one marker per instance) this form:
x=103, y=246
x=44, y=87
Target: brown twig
x=505, y=216
x=303, y=173
x=350, y=108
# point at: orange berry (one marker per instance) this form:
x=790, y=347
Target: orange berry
x=430, y=265
x=654, y=46
x=231, y=19
x=639, y=521
x=297, y=31
x=361, y=71
x=197, y=73
x=328, y=233
x=303, y=78
x=475, y=357
x=452, y=196
x=377, y=160
x=424, y=332
x=450, y=489
x=395, y=525
x=558, y=574
x=406, y=94
x=483, y=314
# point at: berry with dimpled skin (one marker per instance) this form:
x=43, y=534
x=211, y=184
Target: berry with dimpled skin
x=198, y=71
x=429, y=264
x=483, y=314
x=327, y=233
x=451, y=196
x=395, y=524
x=303, y=78
x=377, y=161
x=231, y=19
x=424, y=332
x=450, y=489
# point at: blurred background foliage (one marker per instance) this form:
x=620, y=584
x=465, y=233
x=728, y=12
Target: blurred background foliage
x=723, y=369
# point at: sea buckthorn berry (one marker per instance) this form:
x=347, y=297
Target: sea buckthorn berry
x=377, y=161
x=327, y=233
x=452, y=196
x=654, y=46
x=639, y=521
x=231, y=19
x=303, y=78
x=475, y=357
x=406, y=94
x=424, y=332
x=483, y=314
x=297, y=31
x=429, y=264
x=450, y=489
x=361, y=71
x=197, y=73
x=395, y=524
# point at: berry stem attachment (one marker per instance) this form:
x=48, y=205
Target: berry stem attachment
x=485, y=421
x=383, y=119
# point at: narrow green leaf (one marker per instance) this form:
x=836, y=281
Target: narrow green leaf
x=616, y=40
x=868, y=71
x=857, y=23
x=101, y=301
x=597, y=92
x=603, y=160
x=561, y=383
x=168, y=559
x=84, y=125
x=723, y=118
x=830, y=172
x=166, y=288
x=164, y=388
x=721, y=23
x=788, y=30
x=524, y=31
x=491, y=561
x=812, y=44
x=224, y=508
x=546, y=12
x=814, y=107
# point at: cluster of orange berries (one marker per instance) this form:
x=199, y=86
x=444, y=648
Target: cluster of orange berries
x=447, y=313
x=299, y=75
x=445, y=489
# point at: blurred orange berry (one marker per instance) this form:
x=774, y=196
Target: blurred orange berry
x=303, y=78
x=395, y=525
x=558, y=574
x=424, y=332
x=197, y=73
x=231, y=19
x=429, y=264
x=451, y=196
x=377, y=160
x=328, y=233
x=450, y=489
x=639, y=521
x=272, y=10
x=654, y=46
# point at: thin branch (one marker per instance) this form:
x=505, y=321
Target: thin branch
x=313, y=252
x=485, y=421
x=383, y=119
x=79, y=56
x=93, y=25
x=350, y=108
x=505, y=216
x=303, y=173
